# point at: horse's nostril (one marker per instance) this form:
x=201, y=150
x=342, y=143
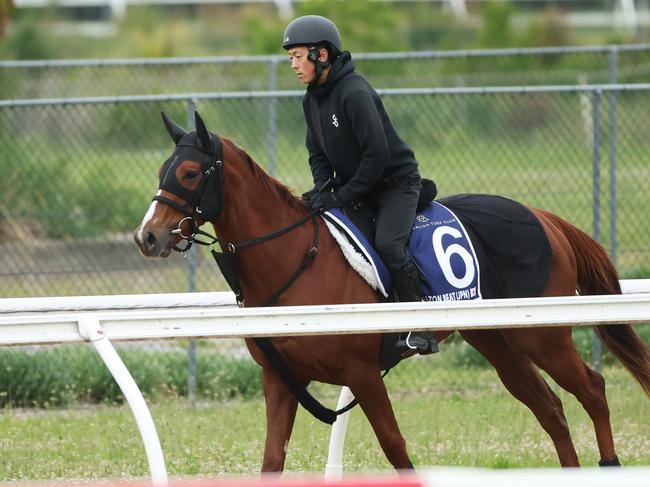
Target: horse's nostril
x=151, y=239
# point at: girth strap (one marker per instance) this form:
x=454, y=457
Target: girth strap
x=311, y=255
x=301, y=393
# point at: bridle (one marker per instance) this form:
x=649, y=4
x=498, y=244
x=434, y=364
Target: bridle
x=197, y=211
x=194, y=210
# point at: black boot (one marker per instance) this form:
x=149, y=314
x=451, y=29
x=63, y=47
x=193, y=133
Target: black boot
x=406, y=287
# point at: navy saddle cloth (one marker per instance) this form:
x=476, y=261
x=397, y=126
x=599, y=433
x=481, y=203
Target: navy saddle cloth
x=483, y=246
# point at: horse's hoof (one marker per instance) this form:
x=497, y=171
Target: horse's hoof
x=610, y=463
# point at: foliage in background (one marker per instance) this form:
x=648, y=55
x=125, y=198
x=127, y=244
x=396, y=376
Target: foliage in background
x=27, y=38
x=496, y=30
x=6, y=8
x=551, y=29
x=363, y=26
x=61, y=376
x=257, y=29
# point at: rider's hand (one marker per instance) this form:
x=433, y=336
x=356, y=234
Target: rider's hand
x=309, y=195
x=325, y=201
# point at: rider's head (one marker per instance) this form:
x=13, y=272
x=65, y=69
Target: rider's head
x=313, y=42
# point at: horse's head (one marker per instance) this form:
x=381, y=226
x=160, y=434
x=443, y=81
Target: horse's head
x=190, y=190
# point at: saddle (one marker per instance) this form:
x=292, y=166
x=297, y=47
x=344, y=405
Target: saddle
x=438, y=245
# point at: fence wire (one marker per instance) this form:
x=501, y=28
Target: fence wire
x=545, y=66
x=77, y=178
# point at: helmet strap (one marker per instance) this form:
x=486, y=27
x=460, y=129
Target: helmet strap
x=314, y=57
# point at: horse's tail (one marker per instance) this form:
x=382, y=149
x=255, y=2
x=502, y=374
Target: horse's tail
x=597, y=275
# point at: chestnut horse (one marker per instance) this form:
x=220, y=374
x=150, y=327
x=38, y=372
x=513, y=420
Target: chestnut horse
x=242, y=202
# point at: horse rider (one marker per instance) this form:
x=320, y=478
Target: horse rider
x=350, y=136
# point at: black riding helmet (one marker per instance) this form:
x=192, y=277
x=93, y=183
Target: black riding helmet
x=311, y=30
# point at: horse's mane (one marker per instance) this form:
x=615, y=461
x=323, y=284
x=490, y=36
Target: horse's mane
x=269, y=182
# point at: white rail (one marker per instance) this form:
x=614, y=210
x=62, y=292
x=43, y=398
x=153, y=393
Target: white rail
x=226, y=322
x=96, y=318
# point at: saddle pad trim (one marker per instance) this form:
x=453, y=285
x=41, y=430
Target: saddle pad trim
x=354, y=257
x=362, y=246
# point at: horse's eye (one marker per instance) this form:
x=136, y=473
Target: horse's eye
x=191, y=174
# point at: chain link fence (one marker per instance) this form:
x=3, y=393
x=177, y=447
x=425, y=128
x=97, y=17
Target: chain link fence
x=77, y=176
x=499, y=67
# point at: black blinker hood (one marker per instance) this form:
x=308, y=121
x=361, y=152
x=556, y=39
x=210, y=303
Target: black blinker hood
x=206, y=202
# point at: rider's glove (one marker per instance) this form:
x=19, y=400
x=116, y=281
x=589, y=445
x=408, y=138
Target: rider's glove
x=325, y=201
x=309, y=195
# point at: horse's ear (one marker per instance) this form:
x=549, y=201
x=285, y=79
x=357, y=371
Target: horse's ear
x=202, y=132
x=174, y=130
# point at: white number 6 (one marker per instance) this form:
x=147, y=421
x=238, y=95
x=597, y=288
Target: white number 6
x=444, y=257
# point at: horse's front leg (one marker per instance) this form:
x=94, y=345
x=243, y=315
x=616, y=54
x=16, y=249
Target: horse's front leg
x=366, y=384
x=281, y=408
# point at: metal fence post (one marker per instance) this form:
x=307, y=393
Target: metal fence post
x=596, y=346
x=192, y=261
x=273, y=114
x=613, y=127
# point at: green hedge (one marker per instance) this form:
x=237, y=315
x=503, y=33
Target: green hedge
x=64, y=375
x=58, y=377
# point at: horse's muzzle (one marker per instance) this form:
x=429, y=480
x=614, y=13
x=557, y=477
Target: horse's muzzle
x=151, y=244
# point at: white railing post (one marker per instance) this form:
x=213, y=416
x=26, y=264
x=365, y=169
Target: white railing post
x=91, y=329
x=334, y=467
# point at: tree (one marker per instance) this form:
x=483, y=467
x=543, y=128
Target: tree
x=364, y=26
x=6, y=7
x=496, y=31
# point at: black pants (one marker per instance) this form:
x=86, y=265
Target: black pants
x=396, y=202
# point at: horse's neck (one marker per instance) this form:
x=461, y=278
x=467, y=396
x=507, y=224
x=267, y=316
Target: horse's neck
x=253, y=209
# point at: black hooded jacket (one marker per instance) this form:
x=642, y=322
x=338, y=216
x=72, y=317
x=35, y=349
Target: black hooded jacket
x=350, y=134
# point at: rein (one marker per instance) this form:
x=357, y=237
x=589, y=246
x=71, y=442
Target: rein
x=222, y=258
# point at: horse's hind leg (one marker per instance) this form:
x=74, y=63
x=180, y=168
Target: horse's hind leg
x=368, y=388
x=553, y=350
x=281, y=408
x=523, y=381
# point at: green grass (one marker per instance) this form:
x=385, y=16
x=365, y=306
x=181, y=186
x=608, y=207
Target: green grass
x=462, y=417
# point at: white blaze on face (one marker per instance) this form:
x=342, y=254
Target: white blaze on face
x=147, y=217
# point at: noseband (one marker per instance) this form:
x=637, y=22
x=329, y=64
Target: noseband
x=196, y=209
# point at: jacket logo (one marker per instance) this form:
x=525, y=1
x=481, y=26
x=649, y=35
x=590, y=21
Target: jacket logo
x=335, y=121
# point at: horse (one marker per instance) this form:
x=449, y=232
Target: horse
x=210, y=179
